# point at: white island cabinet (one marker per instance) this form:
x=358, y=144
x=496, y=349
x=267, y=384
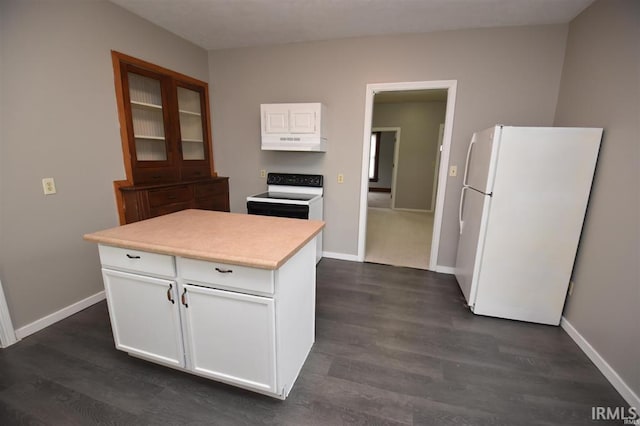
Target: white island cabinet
x=247, y=326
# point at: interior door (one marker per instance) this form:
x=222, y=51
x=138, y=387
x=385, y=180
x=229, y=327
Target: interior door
x=231, y=336
x=474, y=206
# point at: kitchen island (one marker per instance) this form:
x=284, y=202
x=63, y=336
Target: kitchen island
x=225, y=296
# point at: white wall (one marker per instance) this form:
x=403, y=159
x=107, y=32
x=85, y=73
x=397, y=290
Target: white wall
x=601, y=87
x=59, y=119
x=507, y=75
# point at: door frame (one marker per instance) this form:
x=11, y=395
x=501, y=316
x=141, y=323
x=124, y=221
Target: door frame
x=396, y=151
x=7, y=332
x=437, y=165
x=371, y=91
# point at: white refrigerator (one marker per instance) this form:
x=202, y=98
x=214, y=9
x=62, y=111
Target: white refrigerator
x=521, y=212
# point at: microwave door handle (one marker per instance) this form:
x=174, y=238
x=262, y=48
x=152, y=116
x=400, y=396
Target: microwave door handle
x=466, y=164
x=464, y=188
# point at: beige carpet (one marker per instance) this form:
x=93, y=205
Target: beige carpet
x=399, y=238
x=379, y=199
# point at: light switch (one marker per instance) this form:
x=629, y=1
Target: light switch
x=453, y=171
x=340, y=178
x=263, y=173
x=48, y=186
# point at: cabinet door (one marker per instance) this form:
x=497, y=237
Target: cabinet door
x=302, y=119
x=145, y=316
x=193, y=131
x=231, y=336
x=276, y=119
x=150, y=134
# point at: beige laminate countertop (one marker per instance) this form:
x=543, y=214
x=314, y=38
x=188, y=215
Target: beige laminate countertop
x=239, y=239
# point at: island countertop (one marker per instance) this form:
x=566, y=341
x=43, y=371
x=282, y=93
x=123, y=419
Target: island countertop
x=239, y=239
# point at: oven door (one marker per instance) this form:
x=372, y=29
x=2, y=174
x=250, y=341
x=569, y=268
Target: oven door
x=296, y=211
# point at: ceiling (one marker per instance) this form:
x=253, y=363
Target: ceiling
x=222, y=24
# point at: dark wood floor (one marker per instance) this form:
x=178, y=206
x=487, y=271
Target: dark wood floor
x=393, y=346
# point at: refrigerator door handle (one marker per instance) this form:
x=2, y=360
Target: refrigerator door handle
x=466, y=164
x=464, y=188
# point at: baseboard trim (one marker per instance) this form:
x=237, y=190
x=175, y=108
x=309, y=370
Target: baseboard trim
x=63, y=313
x=413, y=210
x=340, y=256
x=445, y=269
x=614, y=378
x=375, y=189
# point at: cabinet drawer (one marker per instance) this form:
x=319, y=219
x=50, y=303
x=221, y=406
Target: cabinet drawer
x=209, y=189
x=191, y=173
x=232, y=277
x=137, y=261
x=176, y=194
x=155, y=175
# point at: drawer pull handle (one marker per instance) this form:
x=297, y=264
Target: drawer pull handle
x=172, y=197
x=169, y=294
x=224, y=271
x=132, y=257
x=184, y=299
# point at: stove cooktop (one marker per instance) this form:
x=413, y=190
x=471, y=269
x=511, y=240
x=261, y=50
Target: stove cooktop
x=285, y=196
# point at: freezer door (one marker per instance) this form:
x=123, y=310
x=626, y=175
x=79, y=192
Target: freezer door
x=480, y=164
x=474, y=208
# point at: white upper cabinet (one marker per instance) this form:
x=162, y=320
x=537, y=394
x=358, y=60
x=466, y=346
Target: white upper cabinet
x=293, y=127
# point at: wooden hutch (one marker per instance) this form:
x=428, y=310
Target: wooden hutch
x=166, y=142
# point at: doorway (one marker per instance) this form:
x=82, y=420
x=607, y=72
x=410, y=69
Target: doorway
x=419, y=178
x=383, y=157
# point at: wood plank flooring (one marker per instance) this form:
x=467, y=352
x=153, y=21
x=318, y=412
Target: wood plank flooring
x=394, y=346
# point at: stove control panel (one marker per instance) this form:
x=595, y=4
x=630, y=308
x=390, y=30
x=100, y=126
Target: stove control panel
x=294, y=179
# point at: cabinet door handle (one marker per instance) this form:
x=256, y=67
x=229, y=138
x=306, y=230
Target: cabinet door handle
x=224, y=271
x=132, y=257
x=184, y=298
x=170, y=295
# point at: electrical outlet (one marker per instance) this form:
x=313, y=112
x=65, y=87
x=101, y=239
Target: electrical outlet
x=453, y=171
x=340, y=178
x=571, y=283
x=263, y=173
x=48, y=186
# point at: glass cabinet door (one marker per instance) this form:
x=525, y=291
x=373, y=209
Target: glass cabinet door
x=145, y=94
x=191, y=124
